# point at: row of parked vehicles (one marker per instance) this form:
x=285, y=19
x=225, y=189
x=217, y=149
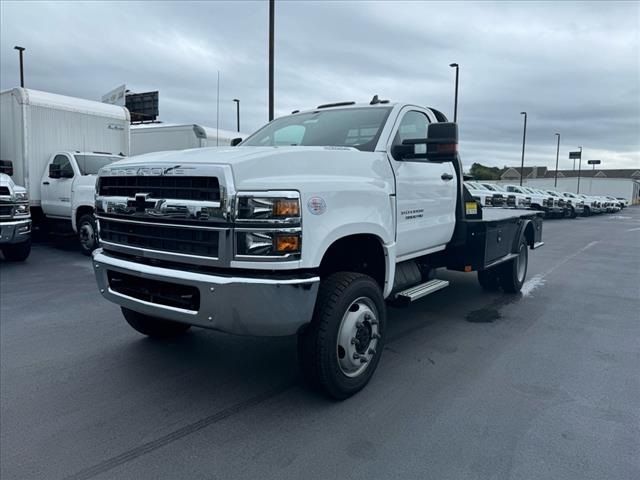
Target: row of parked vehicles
x=553, y=203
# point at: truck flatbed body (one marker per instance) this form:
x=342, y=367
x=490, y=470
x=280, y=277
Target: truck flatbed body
x=496, y=214
x=493, y=239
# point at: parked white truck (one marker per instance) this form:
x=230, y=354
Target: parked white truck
x=305, y=228
x=158, y=137
x=15, y=220
x=55, y=145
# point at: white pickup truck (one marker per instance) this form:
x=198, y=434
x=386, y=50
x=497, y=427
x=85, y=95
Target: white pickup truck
x=305, y=228
x=15, y=220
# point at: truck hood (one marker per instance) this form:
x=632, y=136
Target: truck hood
x=7, y=181
x=275, y=167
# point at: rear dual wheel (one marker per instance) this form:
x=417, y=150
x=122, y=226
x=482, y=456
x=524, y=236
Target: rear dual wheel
x=509, y=275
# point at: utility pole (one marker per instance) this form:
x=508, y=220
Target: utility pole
x=21, y=49
x=272, y=7
x=555, y=183
x=237, y=113
x=524, y=138
x=455, y=105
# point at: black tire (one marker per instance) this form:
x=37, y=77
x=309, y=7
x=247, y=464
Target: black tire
x=573, y=213
x=514, y=272
x=17, y=252
x=586, y=212
x=87, y=234
x=322, y=356
x=488, y=279
x=152, y=326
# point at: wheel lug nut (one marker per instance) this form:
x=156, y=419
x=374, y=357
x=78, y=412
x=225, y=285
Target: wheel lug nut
x=363, y=360
x=356, y=356
x=354, y=341
x=367, y=316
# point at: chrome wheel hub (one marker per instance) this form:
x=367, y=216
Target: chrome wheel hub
x=358, y=337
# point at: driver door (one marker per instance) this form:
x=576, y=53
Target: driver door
x=57, y=183
x=425, y=193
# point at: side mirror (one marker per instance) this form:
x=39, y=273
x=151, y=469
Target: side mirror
x=235, y=141
x=442, y=142
x=6, y=167
x=54, y=171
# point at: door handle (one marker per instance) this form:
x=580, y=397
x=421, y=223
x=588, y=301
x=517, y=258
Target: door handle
x=446, y=177
x=45, y=183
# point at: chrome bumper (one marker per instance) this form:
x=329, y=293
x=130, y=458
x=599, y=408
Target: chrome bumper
x=15, y=231
x=238, y=305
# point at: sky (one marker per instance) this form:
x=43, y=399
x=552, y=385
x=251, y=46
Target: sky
x=573, y=67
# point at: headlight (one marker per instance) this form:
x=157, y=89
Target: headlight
x=21, y=210
x=272, y=207
x=282, y=243
x=21, y=196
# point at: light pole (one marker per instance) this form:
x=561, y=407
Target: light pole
x=524, y=138
x=272, y=7
x=455, y=105
x=579, y=165
x=21, y=49
x=237, y=113
x=555, y=183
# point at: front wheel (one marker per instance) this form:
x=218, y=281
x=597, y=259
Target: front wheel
x=514, y=272
x=152, y=326
x=340, y=350
x=88, y=233
x=17, y=252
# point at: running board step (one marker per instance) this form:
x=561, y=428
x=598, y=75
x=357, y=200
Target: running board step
x=412, y=294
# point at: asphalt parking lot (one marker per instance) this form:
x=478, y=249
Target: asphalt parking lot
x=472, y=385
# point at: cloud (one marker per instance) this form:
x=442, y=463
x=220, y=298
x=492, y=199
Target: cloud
x=574, y=67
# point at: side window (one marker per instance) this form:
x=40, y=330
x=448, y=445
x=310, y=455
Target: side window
x=413, y=125
x=61, y=167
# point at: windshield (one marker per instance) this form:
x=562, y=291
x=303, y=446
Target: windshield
x=348, y=127
x=90, y=164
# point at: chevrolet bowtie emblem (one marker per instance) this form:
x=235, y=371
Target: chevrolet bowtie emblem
x=141, y=202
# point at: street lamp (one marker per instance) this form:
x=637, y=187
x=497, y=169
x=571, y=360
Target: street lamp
x=21, y=49
x=237, y=112
x=524, y=137
x=555, y=183
x=455, y=105
x=579, y=165
x=272, y=7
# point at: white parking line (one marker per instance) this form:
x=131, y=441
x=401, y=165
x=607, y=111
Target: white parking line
x=539, y=280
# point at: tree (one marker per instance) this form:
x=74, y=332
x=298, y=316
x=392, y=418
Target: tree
x=481, y=172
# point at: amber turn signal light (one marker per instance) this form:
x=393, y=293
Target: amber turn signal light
x=287, y=243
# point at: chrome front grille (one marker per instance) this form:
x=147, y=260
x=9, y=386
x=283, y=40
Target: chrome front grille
x=157, y=187
x=162, y=213
x=166, y=238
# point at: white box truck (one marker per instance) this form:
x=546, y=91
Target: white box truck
x=55, y=145
x=146, y=138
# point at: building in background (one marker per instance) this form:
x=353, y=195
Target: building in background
x=623, y=183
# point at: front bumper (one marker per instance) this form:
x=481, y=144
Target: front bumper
x=17, y=231
x=233, y=304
